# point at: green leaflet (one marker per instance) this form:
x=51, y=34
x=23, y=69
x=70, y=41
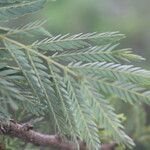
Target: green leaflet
x=14, y=10
x=12, y=95
x=74, y=42
x=11, y=1
x=84, y=120
x=113, y=71
x=64, y=99
x=26, y=28
x=104, y=53
x=38, y=78
x=104, y=114
x=7, y=86
x=128, y=92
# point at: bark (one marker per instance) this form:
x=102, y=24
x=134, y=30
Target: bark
x=26, y=133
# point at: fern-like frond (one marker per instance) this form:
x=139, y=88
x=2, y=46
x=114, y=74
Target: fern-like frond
x=113, y=71
x=37, y=76
x=22, y=62
x=17, y=9
x=83, y=116
x=62, y=95
x=66, y=42
x=8, y=88
x=10, y=1
x=12, y=95
x=97, y=53
x=25, y=28
x=111, y=81
x=128, y=92
x=104, y=114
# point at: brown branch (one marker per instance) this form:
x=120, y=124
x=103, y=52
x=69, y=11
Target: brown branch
x=25, y=132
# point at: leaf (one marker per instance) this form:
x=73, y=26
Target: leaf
x=113, y=71
x=66, y=42
x=104, y=53
x=37, y=77
x=83, y=116
x=63, y=96
x=11, y=95
x=26, y=28
x=10, y=1
x=105, y=115
x=128, y=92
x=21, y=8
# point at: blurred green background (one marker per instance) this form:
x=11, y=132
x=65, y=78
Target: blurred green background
x=131, y=17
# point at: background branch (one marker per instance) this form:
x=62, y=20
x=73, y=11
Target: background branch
x=25, y=132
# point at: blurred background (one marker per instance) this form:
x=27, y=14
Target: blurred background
x=131, y=17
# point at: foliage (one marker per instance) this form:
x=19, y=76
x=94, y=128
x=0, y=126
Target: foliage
x=67, y=78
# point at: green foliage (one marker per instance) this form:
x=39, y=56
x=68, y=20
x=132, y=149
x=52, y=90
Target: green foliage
x=14, y=8
x=67, y=77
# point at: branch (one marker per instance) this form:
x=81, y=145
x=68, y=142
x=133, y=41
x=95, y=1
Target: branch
x=25, y=132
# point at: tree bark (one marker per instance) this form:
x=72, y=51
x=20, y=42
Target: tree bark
x=25, y=132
